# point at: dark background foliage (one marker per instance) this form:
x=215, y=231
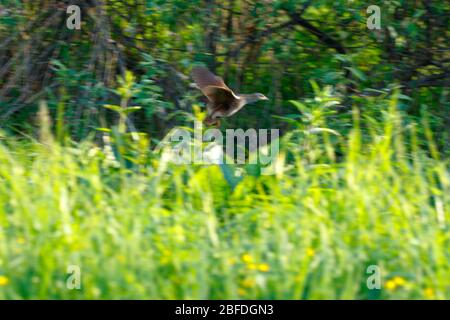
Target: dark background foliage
x=274, y=47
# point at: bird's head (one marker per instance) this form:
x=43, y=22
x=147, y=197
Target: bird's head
x=260, y=96
x=254, y=97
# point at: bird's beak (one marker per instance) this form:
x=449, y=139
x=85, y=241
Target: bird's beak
x=265, y=98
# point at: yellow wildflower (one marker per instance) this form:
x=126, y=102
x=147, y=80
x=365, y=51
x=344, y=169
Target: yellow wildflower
x=399, y=281
x=429, y=293
x=248, y=283
x=390, y=285
x=241, y=292
x=263, y=267
x=252, y=266
x=310, y=252
x=247, y=258
x=3, y=281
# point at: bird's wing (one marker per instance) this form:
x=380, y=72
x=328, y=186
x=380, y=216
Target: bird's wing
x=211, y=84
x=219, y=96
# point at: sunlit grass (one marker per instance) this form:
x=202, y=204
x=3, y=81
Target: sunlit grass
x=157, y=230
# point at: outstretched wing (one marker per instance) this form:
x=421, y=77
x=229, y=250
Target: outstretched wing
x=219, y=96
x=213, y=87
x=203, y=78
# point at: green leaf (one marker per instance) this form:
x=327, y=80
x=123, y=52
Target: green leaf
x=300, y=106
x=318, y=130
x=229, y=175
x=130, y=110
x=113, y=107
x=287, y=119
x=357, y=73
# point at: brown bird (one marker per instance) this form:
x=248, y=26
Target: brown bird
x=223, y=102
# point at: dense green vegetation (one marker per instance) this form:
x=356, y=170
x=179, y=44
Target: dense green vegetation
x=361, y=178
x=160, y=230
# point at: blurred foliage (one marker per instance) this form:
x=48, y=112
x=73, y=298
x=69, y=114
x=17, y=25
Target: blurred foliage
x=361, y=177
x=275, y=47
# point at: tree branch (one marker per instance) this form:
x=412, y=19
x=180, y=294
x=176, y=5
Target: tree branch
x=322, y=36
x=253, y=38
x=435, y=80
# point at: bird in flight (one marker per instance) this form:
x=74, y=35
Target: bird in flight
x=222, y=101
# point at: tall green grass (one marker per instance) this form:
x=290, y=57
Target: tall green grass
x=155, y=230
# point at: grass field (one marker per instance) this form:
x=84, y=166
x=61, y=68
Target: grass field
x=155, y=230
